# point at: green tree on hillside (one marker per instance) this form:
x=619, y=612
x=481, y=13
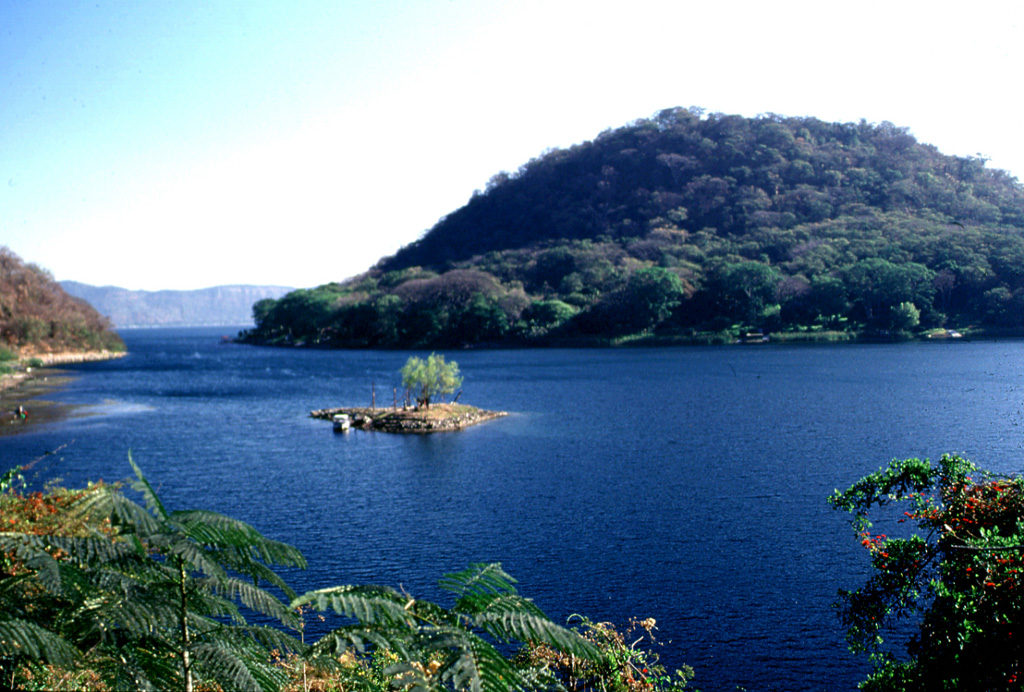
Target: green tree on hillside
x=261, y=310
x=431, y=378
x=652, y=294
x=38, y=315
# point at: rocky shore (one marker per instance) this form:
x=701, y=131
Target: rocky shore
x=437, y=418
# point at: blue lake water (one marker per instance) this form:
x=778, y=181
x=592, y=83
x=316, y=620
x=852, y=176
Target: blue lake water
x=688, y=485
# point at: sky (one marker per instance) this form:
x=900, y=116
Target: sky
x=182, y=144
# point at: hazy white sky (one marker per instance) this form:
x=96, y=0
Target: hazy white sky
x=183, y=144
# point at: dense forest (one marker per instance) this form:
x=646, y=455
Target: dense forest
x=693, y=226
x=37, y=316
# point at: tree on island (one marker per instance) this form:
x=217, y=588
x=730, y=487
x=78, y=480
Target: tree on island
x=430, y=378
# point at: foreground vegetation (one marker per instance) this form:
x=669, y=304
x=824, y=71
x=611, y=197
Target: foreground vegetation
x=956, y=571
x=99, y=592
x=690, y=226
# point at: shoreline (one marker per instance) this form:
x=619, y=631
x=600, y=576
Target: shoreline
x=24, y=372
x=28, y=383
x=724, y=338
x=66, y=357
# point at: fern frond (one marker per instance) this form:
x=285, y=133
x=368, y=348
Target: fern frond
x=254, y=598
x=133, y=574
x=157, y=664
x=191, y=553
x=223, y=532
x=256, y=571
x=109, y=502
x=121, y=669
x=479, y=578
x=23, y=638
x=202, y=604
x=362, y=639
x=272, y=638
x=89, y=551
x=239, y=666
x=30, y=550
x=215, y=530
x=470, y=663
x=505, y=603
x=521, y=626
x=132, y=614
x=368, y=604
x=142, y=485
x=432, y=614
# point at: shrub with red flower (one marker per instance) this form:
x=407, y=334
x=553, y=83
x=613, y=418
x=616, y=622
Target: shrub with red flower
x=957, y=572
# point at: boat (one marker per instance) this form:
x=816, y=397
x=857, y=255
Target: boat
x=342, y=422
x=757, y=337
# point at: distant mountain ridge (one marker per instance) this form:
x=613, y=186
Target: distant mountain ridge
x=217, y=306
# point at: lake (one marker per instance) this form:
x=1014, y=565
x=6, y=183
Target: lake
x=684, y=484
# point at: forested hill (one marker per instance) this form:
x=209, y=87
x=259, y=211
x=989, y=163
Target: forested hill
x=693, y=225
x=37, y=316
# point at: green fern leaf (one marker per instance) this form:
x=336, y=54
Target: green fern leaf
x=368, y=604
x=362, y=639
x=527, y=627
x=254, y=598
x=21, y=638
x=107, y=501
x=142, y=485
x=479, y=579
x=240, y=666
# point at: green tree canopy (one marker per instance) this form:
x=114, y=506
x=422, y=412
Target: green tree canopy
x=652, y=294
x=431, y=378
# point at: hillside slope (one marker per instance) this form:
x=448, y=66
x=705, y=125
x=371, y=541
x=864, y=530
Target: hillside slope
x=695, y=226
x=217, y=306
x=38, y=317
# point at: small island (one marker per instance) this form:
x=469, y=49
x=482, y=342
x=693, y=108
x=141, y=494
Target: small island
x=437, y=418
x=429, y=379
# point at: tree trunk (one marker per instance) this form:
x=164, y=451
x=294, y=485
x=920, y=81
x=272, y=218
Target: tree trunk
x=186, y=644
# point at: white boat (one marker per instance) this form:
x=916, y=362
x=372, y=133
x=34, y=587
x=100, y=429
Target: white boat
x=342, y=422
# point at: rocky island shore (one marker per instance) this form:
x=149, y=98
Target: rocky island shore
x=436, y=418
